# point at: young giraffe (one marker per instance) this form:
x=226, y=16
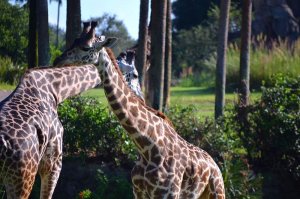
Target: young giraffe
x=30, y=130
x=169, y=167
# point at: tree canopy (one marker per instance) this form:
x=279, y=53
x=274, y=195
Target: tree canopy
x=110, y=25
x=13, y=31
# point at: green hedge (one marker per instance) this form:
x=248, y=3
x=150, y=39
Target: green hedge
x=259, y=158
x=90, y=129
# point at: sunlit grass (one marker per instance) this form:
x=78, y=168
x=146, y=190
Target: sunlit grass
x=265, y=62
x=7, y=87
x=203, y=98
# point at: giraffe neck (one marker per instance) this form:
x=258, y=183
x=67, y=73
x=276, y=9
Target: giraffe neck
x=57, y=84
x=141, y=122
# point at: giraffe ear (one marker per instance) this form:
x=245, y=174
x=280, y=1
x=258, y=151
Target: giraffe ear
x=86, y=29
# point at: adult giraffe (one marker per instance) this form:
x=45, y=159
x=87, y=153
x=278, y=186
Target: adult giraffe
x=169, y=167
x=30, y=130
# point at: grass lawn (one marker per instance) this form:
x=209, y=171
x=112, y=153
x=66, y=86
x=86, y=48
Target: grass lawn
x=6, y=87
x=202, y=98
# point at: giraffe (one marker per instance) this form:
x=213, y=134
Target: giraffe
x=30, y=130
x=169, y=166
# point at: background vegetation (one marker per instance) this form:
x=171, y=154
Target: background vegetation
x=259, y=157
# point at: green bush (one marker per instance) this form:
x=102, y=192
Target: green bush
x=222, y=142
x=54, y=53
x=91, y=130
x=10, y=73
x=272, y=137
x=109, y=185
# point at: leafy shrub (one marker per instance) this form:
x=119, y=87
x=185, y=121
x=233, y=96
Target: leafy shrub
x=108, y=184
x=14, y=31
x=272, y=137
x=222, y=142
x=54, y=52
x=85, y=194
x=10, y=73
x=91, y=130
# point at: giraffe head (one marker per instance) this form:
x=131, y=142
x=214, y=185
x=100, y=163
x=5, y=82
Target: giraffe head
x=85, y=49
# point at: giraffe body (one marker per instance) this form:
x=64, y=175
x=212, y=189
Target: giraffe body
x=169, y=166
x=30, y=130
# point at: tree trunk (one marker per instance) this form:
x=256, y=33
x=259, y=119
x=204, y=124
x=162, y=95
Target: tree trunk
x=73, y=21
x=43, y=33
x=32, y=35
x=221, y=58
x=168, y=57
x=142, y=41
x=245, y=54
x=156, y=71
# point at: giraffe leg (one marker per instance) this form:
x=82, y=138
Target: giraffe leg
x=20, y=186
x=51, y=163
x=49, y=179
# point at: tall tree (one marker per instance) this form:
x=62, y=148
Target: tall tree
x=32, y=34
x=43, y=33
x=221, y=58
x=110, y=25
x=141, y=55
x=168, y=57
x=244, y=90
x=156, y=71
x=73, y=21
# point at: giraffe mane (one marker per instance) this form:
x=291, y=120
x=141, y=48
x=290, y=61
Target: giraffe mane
x=156, y=112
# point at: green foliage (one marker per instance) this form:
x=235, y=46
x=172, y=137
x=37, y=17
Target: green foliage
x=264, y=63
x=90, y=129
x=85, y=194
x=196, y=47
x=10, y=73
x=192, y=47
x=222, y=142
x=13, y=31
x=110, y=25
x=108, y=184
x=272, y=136
x=54, y=52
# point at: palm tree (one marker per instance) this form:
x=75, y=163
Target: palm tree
x=73, y=21
x=168, y=57
x=156, y=71
x=43, y=33
x=142, y=40
x=245, y=53
x=221, y=58
x=32, y=35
